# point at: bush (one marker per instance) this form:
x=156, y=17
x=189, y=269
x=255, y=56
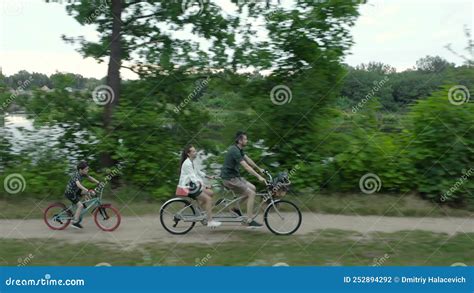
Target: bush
x=352, y=145
x=441, y=148
x=44, y=178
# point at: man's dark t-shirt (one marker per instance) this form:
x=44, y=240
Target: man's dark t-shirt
x=232, y=159
x=71, y=188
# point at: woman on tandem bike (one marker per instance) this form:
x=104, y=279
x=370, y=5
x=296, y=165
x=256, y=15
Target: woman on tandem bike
x=179, y=215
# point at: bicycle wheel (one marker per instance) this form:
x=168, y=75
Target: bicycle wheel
x=57, y=216
x=173, y=213
x=107, y=218
x=282, y=217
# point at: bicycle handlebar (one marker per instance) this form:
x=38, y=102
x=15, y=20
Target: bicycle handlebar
x=267, y=173
x=98, y=190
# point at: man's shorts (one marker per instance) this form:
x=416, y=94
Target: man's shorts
x=74, y=197
x=238, y=185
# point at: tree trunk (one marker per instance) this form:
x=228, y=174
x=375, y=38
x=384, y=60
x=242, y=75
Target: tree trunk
x=113, y=76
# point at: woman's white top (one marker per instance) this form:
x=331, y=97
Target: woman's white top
x=190, y=174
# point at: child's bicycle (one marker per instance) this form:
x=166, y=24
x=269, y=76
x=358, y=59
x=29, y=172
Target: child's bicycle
x=282, y=217
x=57, y=216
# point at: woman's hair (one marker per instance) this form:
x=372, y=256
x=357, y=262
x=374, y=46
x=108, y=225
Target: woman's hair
x=184, y=155
x=82, y=165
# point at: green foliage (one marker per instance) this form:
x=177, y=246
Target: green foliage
x=339, y=124
x=352, y=145
x=441, y=147
x=6, y=153
x=57, y=80
x=45, y=176
x=367, y=81
x=396, y=90
x=433, y=64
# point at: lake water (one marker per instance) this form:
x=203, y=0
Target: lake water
x=21, y=132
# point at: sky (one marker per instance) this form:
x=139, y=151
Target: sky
x=395, y=32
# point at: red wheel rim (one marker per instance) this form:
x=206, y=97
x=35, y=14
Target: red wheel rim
x=46, y=216
x=114, y=215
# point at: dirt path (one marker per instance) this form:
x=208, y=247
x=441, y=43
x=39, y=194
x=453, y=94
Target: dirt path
x=138, y=230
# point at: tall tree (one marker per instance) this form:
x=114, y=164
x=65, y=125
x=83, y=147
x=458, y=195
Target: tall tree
x=169, y=44
x=142, y=32
x=306, y=44
x=113, y=73
x=433, y=64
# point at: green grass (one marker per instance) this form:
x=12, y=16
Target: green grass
x=377, y=204
x=348, y=204
x=327, y=248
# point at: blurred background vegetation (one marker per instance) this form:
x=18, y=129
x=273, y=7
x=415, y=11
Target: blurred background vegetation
x=342, y=122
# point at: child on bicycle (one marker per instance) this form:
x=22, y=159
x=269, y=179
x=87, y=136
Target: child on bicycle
x=74, y=190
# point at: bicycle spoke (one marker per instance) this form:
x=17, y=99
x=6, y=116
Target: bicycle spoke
x=172, y=215
x=283, y=218
x=57, y=216
x=107, y=218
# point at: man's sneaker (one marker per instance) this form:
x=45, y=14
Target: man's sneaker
x=254, y=224
x=236, y=211
x=77, y=225
x=213, y=224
